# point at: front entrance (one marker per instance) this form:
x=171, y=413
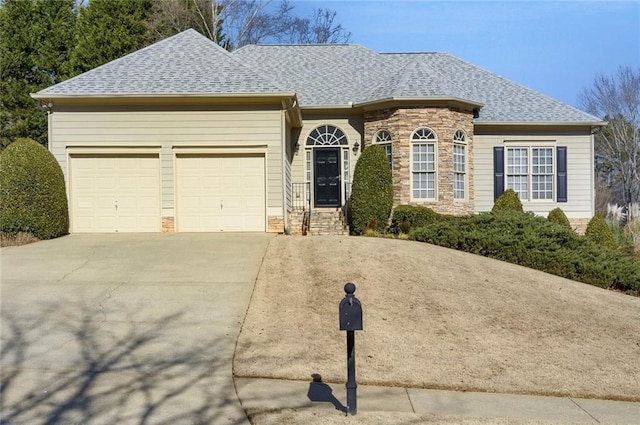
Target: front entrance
x=326, y=169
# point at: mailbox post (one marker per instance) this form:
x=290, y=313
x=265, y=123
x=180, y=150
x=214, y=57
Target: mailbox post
x=351, y=320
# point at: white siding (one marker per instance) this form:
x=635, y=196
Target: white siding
x=580, y=187
x=122, y=128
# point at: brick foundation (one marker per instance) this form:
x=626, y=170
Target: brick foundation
x=579, y=224
x=275, y=224
x=168, y=225
x=444, y=121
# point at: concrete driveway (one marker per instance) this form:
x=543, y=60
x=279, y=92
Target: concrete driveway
x=125, y=328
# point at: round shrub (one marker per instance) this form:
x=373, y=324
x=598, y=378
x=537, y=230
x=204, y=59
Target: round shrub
x=32, y=192
x=599, y=232
x=559, y=217
x=508, y=201
x=371, y=192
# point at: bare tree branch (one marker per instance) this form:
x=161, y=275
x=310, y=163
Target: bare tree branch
x=616, y=99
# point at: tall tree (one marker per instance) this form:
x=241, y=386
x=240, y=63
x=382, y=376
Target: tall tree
x=256, y=21
x=321, y=28
x=35, y=39
x=170, y=17
x=107, y=30
x=616, y=99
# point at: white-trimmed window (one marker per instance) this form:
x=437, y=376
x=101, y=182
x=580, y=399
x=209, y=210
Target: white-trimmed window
x=530, y=172
x=326, y=135
x=308, y=174
x=423, y=163
x=384, y=139
x=345, y=172
x=459, y=164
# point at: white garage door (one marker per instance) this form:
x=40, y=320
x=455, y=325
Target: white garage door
x=115, y=193
x=220, y=193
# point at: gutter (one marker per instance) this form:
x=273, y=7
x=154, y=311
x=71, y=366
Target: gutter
x=548, y=123
x=162, y=95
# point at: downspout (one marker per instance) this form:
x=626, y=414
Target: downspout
x=285, y=214
x=49, y=132
x=47, y=106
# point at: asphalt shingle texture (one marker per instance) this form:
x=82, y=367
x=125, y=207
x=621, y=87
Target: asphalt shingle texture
x=320, y=75
x=187, y=63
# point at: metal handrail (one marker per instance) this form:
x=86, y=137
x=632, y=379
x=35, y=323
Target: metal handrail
x=301, y=196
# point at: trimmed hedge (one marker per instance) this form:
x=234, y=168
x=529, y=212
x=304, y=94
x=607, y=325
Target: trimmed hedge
x=599, y=232
x=371, y=192
x=559, y=217
x=534, y=242
x=32, y=191
x=508, y=201
x=407, y=217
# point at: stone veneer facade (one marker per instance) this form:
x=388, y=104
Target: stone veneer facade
x=167, y=225
x=275, y=224
x=444, y=121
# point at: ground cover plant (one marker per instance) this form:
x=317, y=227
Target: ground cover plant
x=534, y=242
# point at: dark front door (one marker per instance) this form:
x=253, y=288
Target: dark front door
x=327, y=177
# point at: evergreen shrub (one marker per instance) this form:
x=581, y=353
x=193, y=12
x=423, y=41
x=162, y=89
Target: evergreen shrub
x=508, y=201
x=559, y=217
x=371, y=192
x=534, y=242
x=599, y=232
x=32, y=191
x=407, y=217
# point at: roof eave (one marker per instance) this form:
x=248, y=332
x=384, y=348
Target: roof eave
x=421, y=99
x=543, y=123
x=278, y=95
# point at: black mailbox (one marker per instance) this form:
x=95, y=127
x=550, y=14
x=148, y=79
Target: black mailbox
x=350, y=310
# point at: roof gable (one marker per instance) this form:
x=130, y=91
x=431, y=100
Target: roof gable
x=321, y=76
x=185, y=64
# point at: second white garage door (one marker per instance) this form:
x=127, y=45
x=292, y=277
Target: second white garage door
x=218, y=193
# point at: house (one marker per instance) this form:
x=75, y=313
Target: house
x=183, y=136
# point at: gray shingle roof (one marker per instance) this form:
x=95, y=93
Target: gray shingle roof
x=187, y=63
x=335, y=75
x=320, y=75
x=504, y=100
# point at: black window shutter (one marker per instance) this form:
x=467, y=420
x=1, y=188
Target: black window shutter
x=498, y=171
x=561, y=177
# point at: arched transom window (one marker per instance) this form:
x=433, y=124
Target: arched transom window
x=423, y=163
x=384, y=139
x=459, y=164
x=326, y=135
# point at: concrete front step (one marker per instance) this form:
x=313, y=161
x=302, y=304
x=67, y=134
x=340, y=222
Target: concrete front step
x=327, y=223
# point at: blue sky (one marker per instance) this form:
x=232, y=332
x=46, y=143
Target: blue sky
x=555, y=47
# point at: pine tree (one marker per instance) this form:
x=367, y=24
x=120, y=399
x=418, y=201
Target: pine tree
x=35, y=39
x=107, y=30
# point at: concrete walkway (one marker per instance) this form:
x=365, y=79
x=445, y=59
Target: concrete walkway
x=125, y=328
x=268, y=394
